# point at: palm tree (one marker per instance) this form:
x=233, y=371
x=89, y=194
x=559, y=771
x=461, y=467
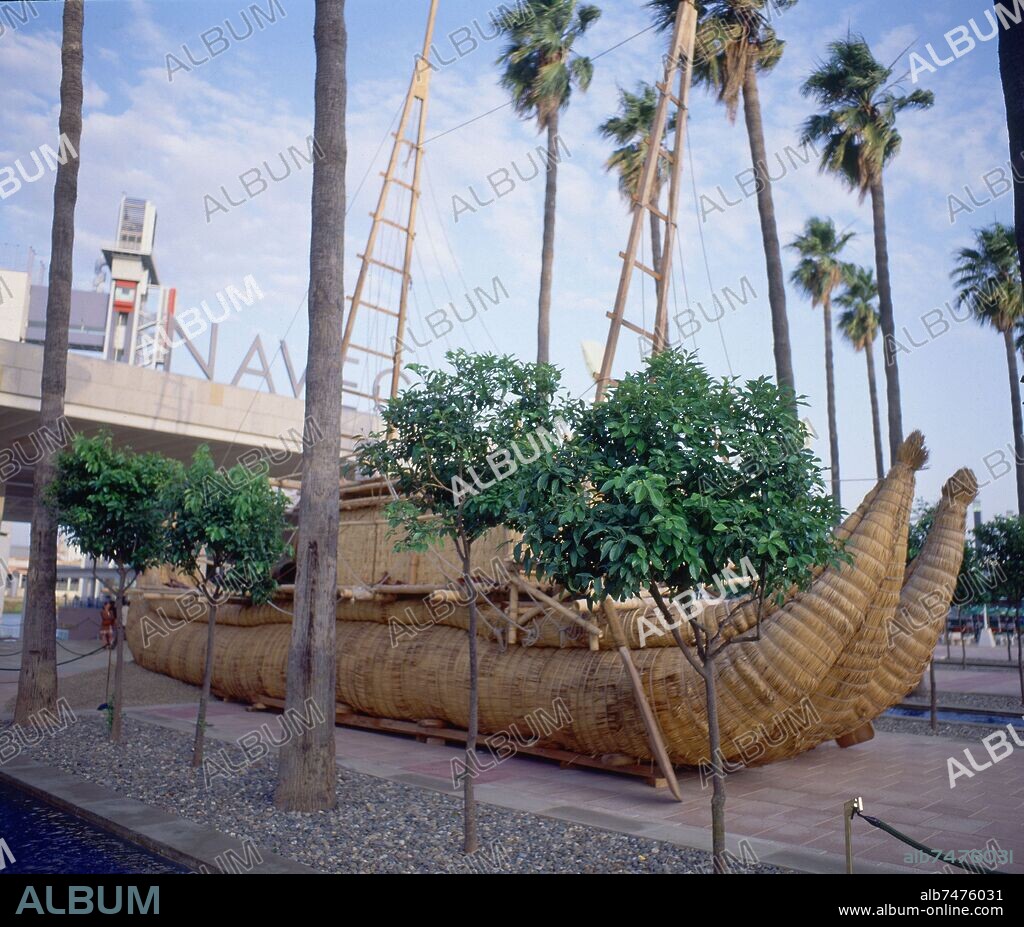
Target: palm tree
x=306, y=770
x=540, y=71
x=859, y=325
x=858, y=129
x=37, y=682
x=1011, y=69
x=630, y=129
x=817, y=275
x=736, y=42
x=989, y=282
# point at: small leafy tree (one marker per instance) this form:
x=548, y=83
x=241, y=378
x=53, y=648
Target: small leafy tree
x=442, y=437
x=111, y=503
x=227, y=534
x=1000, y=545
x=665, y=488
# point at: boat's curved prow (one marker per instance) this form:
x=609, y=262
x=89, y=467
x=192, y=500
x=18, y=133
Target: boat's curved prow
x=929, y=584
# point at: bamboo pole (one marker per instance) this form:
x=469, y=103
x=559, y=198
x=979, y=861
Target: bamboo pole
x=559, y=607
x=513, y=614
x=654, y=735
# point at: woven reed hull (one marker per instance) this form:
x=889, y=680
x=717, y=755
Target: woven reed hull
x=825, y=662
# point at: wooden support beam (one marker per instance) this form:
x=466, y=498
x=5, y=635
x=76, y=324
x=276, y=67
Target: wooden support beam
x=359, y=347
x=641, y=266
x=636, y=329
x=347, y=717
x=401, y=228
x=668, y=92
x=559, y=607
x=402, y=183
x=513, y=614
x=373, y=260
x=654, y=735
x=654, y=209
x=390, y=312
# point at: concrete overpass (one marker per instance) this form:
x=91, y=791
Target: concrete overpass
x=151, y=410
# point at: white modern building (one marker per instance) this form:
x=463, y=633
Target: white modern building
x=119, y=378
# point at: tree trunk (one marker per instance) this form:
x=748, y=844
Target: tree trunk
x=1018, y=423
x=115, y=727
x=718, y=860
x=830, y=396
x=1011, y=70
x=37, y=682
x=886, y=321
x=469, y=810
x=547, y=256
x=876, y=425
x=306, y=776
x=204, y=696
x=769, y=235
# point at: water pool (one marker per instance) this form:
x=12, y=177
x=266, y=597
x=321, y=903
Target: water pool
x=43, y=839
x=952, y=716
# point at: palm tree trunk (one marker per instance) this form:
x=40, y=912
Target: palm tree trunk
x=1011, y=69
x=547, y=256
x=37, y=682
x=1018, y=424
x=769, y=235
x=876, y=425
x=306, y=777
x=886, y=320
x=661, y=322
x=830, y=395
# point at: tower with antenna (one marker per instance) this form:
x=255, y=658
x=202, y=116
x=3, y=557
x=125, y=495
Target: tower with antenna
x=140, y=312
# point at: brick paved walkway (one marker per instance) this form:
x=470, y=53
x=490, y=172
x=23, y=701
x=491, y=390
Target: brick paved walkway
x=791, y=811
x=986, y=681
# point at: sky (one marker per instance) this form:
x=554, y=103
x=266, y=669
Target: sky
x=181, y=130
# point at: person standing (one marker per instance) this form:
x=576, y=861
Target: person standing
x=108, y=620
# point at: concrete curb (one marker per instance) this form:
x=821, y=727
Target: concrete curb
x=190, y=845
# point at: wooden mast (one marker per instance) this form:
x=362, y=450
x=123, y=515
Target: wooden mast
x=678, y=68
x=419, y=89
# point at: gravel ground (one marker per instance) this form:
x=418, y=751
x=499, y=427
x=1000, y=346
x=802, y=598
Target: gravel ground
x=973, y=700
x=973, y=732
x=378, y=827
x=949, y=699
x=141, y=687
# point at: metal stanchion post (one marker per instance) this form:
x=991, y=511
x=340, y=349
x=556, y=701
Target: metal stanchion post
x=850, y=808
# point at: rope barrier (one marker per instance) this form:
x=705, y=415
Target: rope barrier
x=940, y=855
x=12, y=669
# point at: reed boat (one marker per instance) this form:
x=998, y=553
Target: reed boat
x=830, y=658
